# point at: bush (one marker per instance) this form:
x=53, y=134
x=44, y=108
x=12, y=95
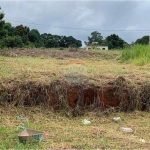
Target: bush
x=2, y=43
x=61, y=48
x=15, y=41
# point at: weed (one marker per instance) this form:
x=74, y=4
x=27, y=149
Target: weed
x=138, y=55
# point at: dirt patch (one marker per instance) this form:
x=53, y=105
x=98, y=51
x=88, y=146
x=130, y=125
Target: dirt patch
x=144, y=103
x=108, y=98
x=73, y=97
x=79, y=62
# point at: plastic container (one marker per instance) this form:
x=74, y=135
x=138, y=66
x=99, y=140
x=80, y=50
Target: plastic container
x=86, y=122
x=116, y=119
x=129, y=130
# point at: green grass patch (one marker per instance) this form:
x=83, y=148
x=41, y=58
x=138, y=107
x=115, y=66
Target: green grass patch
x=137, y=55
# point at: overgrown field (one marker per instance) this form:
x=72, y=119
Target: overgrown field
x=55, y=90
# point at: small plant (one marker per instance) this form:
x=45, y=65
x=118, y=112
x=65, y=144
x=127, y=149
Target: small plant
x=61, y=48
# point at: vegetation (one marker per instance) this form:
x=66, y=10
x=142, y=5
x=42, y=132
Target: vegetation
x=143, y=41
x=70, y=133
x=62, y=130
x=113, y=41
x=137, y=54
x=95, y=37
x=22, y=36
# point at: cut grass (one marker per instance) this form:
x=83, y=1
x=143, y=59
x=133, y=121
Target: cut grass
x=67, y=132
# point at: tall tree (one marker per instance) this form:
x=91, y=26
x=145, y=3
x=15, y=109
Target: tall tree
x=144, y=40
x=95, y=37
x=23, y=31
x=35, y=37
x=114, y=41
x=2, y=22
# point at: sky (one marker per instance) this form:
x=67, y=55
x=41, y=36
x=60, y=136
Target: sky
x=129, y=19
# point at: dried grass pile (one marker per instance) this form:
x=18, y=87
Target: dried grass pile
x=77, y=98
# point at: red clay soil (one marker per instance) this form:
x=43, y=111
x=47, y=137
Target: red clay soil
x=79, y=62
x=58, y=93
x=73, y=97
x=89, y=96
x=108, y=98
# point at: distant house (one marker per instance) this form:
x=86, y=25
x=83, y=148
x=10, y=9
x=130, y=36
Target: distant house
x=97, y=47
x=102, y=47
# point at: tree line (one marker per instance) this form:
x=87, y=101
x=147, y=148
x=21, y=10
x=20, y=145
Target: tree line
x=22, y=36
x=113, y=41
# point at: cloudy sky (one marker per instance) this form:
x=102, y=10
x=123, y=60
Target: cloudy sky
x=128, y=19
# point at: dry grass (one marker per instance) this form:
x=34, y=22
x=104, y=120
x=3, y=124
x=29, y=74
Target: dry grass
x=33, y=69
x=67, y=132
x=63, y=132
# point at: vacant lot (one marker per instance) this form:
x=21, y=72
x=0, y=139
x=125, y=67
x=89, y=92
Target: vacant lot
x=26, y=74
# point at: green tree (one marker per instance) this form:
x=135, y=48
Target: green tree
x=10, y=31
x=144, y=40
x=13, y=41
x=23, y=32
x=2, y=22
x=95, y=37
x=78, y=43
x=104, y=43
x=114, y=41
x=51, y=43
x=35, y=37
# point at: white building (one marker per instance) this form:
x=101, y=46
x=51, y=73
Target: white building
x=97, y=47
x=102, y=47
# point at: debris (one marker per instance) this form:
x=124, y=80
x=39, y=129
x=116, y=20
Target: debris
x=20, y=117
x=126, y=129
x=142, y=140
x=116, y=119
x=22, y=128
x=86, y=122
x=31, y=135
